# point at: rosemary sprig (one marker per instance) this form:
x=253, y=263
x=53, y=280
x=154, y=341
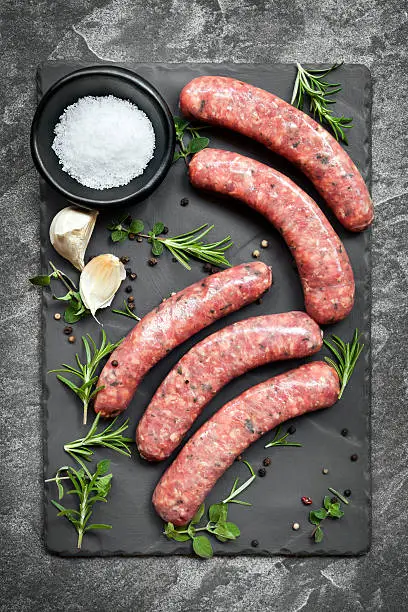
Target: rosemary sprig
x=89, y=488
x=310, y=83
x=346, y=354
x=86, y=371
x=196, y=143
x=126, y=312
x=217, y=524
x=109, y=438
x=281, y=441
x=75, y=309
x=182, y=247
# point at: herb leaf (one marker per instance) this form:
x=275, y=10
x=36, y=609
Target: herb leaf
x=346, y=354
x=330, y=510
x=43, y=280
x=196, y=143
x=136, y=226
x=281, y=441
x=126, y=312
x=202, y=547
x=310, y=83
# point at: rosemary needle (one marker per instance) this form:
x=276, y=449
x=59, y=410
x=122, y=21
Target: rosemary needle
x=346, y=354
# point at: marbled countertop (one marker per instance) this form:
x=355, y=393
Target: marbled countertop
x=372, y=32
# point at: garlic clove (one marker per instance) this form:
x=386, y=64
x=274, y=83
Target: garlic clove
x=70, y=232
x=100, y=280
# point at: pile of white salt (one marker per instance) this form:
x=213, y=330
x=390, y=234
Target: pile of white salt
x=103, y=141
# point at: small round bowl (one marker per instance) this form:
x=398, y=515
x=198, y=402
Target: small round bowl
x=102, y=81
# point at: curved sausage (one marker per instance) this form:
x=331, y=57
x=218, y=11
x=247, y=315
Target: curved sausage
x=173, y=322
x=210, y=365
x=323, y=264
x=288, y=132
x=206, y=456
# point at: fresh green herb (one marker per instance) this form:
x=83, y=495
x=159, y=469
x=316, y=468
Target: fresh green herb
x=182, y=247
x=75, y=309
x=90, y=488
x=119, y=230
x=109, y=438
x=331, y=509
x=310, y=83
x=195, y=144
x=217, y=524
x=346, y=354
x=86, y=371
x=281, y=441
x=339, y=495
x=126, y=312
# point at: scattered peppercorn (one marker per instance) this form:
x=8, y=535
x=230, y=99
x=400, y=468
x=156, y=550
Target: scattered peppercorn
x=128, y=289
x=131, y=299
x=131, y=306
x=124, y=259
x=207, y=267
x=133, y=276
x=71, y=339
x=266, y=461
x=259, y=301
x=347, y=492
x=291, y=430
x=184, y=202
x=214, y=269
x=165, y=230
x=344, y=432
x=68, y=330
x=295, y=526
x=152, y=261
x=131, y=236
x=255, y=543
x=264, y=244
x=114, y=363
x=354, y=457
x=174, y=260
x=256, y=253
x=239, y=458
x=139, y=239
x=261, y=472
x=306, y=500
x=57, y=316
x=325, y=471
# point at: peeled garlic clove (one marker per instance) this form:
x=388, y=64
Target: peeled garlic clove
x=100, y=280
x=70, y=232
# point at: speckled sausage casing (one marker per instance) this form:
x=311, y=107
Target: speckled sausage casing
x=213, y=448
x=173, y=322
x=210, y=365
x=322, y=261
x=289, y=132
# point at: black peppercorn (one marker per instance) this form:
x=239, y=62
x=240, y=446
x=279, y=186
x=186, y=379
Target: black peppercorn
x=354, y=457
x=347, y=492
x=67, y=330
x=291, y=429
x=266, y=461
x=131, y=306
x=207, y=267
x=131, y=236
x=133, y=276
x=124, y=259
x=152, y=261
x=184, y=201
x=344, y=432
x=259, y=301
x=254, y=543
x=165, y=230
x=128, y=289
x=115, y=363
x=261, y=472
x=139, y=239
x=239, y=458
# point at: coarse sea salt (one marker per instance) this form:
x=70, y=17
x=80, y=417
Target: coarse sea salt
x=103, y=141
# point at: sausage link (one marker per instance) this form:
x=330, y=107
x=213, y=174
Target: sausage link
x=210, y=365
x=206, y=456
x=322, y=261
x=171, y=323
x=289, y=132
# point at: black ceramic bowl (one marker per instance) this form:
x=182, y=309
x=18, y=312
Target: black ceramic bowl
x=102, y=81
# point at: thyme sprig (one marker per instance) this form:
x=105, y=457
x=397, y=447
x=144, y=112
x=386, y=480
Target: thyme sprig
x=86, y=371
x=310, y=83
x=194, y=145
x=346, y=354
x=89, y=488
x=126, y=312
x=281, y=441
x=81, y=449
x=331, y=509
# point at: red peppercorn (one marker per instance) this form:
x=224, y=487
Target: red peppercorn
x=306, y=500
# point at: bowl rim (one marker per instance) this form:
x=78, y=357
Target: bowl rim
x=137, y=81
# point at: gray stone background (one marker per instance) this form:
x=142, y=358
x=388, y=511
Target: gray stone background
x=373, y=32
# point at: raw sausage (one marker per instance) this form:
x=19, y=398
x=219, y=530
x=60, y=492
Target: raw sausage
x=206, y=456
x=323, y=264
x=210, y=365
x=288, y=132
x=173, y=322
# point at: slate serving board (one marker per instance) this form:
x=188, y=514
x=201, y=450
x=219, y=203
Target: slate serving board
x=294, y=472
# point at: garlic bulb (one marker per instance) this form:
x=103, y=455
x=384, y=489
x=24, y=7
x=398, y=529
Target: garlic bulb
x=70, y=232
x=100, y=280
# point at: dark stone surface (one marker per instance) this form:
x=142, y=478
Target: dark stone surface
x=369, y=31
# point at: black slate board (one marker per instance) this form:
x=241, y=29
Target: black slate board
x=294, y=471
